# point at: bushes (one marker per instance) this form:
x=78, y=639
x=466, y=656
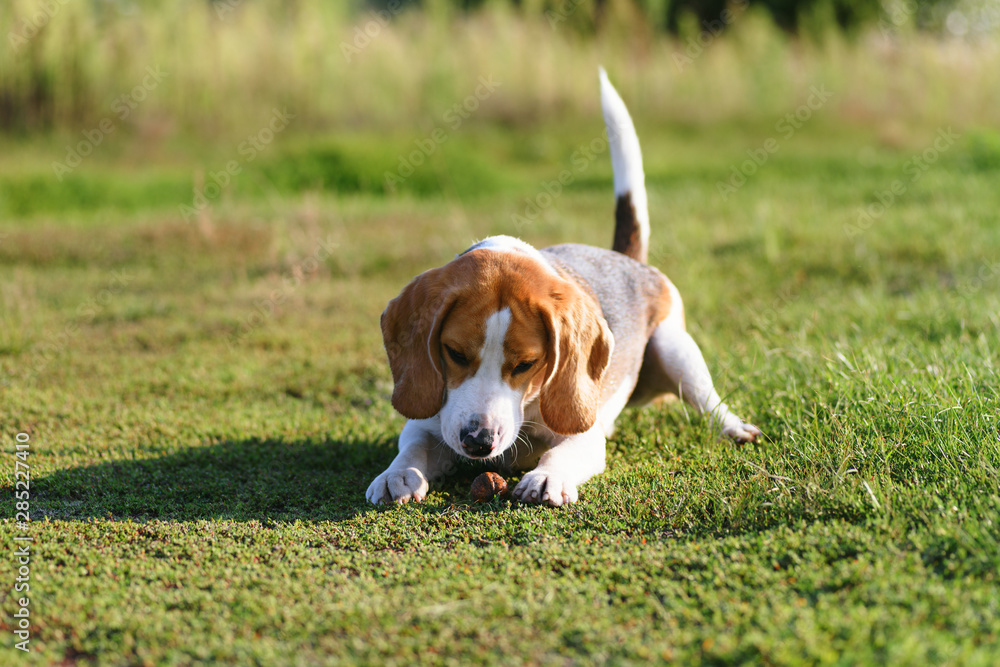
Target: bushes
x=227, y=66
x=587, y=16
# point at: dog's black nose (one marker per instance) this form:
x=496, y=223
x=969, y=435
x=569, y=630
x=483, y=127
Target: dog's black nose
x=477, y=441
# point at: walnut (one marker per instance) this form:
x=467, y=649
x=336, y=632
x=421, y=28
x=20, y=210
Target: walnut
x=488, y=486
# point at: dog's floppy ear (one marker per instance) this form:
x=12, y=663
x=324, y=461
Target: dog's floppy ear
x=579, y=349
x=411, y=329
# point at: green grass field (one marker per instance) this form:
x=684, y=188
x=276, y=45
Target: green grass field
x=205, y=397
x=207, y=401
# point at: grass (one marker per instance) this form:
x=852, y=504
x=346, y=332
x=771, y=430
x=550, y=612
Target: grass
x=206, y=408
x=207, y=397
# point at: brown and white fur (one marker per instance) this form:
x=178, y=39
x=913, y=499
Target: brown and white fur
x=525, y=357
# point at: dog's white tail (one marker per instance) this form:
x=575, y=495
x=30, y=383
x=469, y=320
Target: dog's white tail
x=631, y=210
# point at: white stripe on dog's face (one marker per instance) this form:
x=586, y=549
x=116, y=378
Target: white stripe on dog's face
x=491, y=357
x=484, y=406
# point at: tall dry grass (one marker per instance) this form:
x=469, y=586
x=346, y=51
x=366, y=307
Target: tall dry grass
x=64, y=65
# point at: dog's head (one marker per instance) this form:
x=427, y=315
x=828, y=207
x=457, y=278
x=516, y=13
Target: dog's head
x=480, y=338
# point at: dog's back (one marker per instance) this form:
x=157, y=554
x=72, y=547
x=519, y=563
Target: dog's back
x=634, y=298
x=619, y=278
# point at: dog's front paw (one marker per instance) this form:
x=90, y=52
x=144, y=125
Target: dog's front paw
x=742, y=432
x=400, y=486
x=546, y=486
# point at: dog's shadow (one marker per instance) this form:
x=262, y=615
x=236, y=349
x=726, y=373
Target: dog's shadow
x=242, y=480
x=253, y=479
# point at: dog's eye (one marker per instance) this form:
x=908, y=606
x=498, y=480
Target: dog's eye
x=523, y=367
x=457, y=357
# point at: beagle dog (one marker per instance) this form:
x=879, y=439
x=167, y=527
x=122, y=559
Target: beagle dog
x=525, y=357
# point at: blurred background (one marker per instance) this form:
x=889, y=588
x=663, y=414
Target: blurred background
x=177, y=84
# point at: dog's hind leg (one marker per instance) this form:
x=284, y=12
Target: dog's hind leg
x=673, y=364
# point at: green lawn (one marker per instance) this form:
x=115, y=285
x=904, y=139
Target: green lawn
x=207, y=401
